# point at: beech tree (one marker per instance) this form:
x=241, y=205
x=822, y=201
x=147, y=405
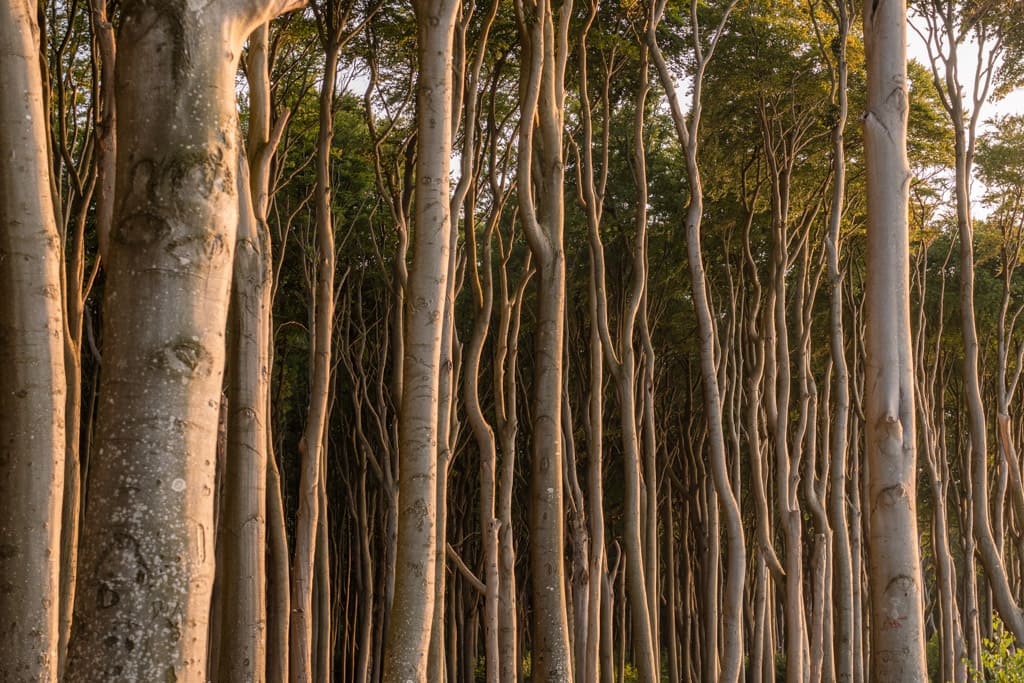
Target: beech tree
x=409, y=633
x=897, y=601
x=515, y=340
x=32, y=409
x=544, y=35
x=147, y=536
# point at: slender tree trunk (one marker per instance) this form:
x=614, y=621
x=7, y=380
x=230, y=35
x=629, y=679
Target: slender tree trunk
x=687, y=131
x=32, y=399
x=75, y=295
x=541, y=206
x=507, y=422
x=409, y=630
x=301, y=626
x=897, y=601
x=278, y=580
x=842, y=577
x=242, y=539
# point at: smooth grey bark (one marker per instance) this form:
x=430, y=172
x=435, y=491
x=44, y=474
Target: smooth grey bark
x=147, y=537
x=897, y=598
x=687, y=129
x=33, y=394
x=541, y=206
x=242, y=526
x=302, y=626
x=409, y=630
x=841, y=590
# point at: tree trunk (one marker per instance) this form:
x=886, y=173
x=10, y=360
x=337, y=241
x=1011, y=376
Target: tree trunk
x=147, y=542
x=409, y=630
x=687, y=130
x=541, y=205
x=301, y=626
x=32, y=399
x=242, y=570
x=897, y=601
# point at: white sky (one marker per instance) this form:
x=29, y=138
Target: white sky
x=968, y=58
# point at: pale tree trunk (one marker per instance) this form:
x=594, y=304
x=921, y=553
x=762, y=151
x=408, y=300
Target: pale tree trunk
x=506, y=410
x=949, y=25
x=483, y=301
x=242, y=529
x=447, y=433
x=278, y=579
x=241, y=569
x=264, y=138
x=147, y=542
x=32, y=400
x=579, y=540
x=672, y=584
x=409, y=630
x=897, y=601
x=301, y=627
x=687, y=130
x=711, y=669
x=541, y=205
x=76, y=293
x=841, y=590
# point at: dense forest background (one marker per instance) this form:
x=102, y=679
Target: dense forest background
x=510, y=340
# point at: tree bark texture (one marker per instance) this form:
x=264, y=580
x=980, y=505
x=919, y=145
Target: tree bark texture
x=32, y=395
x=147, y=537
x=409, y=630
x=897, y=600
x=541, y=205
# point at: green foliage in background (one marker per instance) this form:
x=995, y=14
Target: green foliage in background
x=1001, y=660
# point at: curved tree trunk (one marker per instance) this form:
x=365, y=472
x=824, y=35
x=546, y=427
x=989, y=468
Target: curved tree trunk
x=540, y=194
x=687, y=131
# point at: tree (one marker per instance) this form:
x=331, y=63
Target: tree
x=544, y=35
x=147, y=537
x=32, y=400
x=687, y=131
x=897, y=601
x=409, y=633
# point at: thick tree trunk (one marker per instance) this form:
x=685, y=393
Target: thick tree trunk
x=409, y=630
x=897, y=598
x=32, y=398
x=147, y=543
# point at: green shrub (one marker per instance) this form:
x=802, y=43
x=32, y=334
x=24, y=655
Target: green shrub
x=1001, y=660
